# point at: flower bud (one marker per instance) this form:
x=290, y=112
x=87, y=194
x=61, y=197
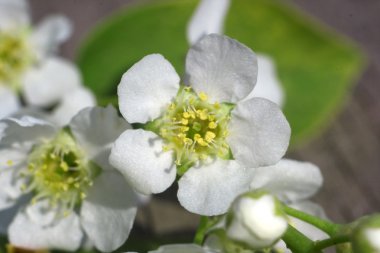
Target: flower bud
x=366, y=235
x=256, y=220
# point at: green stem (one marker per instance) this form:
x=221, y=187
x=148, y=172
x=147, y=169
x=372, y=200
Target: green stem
x=319, y=245
x=297, y=242
x=201, y=230
x=324, y=225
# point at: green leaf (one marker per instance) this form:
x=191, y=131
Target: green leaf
x=316, y=66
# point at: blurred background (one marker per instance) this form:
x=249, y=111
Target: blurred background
x=346, y=148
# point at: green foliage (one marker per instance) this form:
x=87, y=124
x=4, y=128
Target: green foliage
x=315, y=66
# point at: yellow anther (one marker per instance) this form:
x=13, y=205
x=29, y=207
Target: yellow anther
x=181, y=136
x=187, y=88
x=202, y=142
x=203, y=96
x=188, y=141
x=216, y=105
x=203, y=115
x=212, y=125
x=211, y=117
x=83, y=195
x=192, y=114
x=165, y=148
x=65, y=187
x=9, y=162
x=171, y=106
x=184, y=121
x=77, y=185
x=209, y=136
x=185, y=129
x=64, y=166
x=197, y=136
x=186, y=115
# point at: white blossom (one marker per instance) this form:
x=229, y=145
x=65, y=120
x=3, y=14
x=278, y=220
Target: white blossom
x=29, y=67
x=61, y=183
x=190, y=130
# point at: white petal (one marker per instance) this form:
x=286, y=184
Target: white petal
x=138, y=155
x=207, y=18
x=147, y=88
x=268, y=85
x=48, y=83
x=49, y=34
x=289, y=180
x=65, y=234
x=96, y=129
x=41, y=213
x=71, y=104
x=108, y=212
x=310, y=231
x=9, y=102
x=180, y=248
x=210, y=189
x=223, y=68
x=11, y=161
x=14, y=14
x=25, y=129
x=10, y=189
x=258, y=133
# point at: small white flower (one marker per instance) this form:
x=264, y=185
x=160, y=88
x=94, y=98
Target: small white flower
x=64, y=174
x=28, y=66
x=257, y=220
x=194, y=128
x=373, y=237
x=366, y=235
x=293, y=183
x=209, y=18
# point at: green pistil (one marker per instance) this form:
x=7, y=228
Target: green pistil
x=193, y=128
x=15, y=57
x=58, y=171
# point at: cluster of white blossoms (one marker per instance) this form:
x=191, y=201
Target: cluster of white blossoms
x=75, y=177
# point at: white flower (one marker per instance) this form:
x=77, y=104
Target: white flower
x=257, y=220
x=293, y=182
x=64, y=177
x=373, y=237
x=194, y=129
x=209, y=18
x=366, y=235
x=27, y=64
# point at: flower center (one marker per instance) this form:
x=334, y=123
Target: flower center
x=194, y=128
x=15, y=57
x=59, y=172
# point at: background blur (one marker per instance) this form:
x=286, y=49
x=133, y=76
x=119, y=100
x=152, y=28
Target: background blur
x=348, y=151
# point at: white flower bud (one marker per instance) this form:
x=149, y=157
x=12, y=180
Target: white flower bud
x=257, y=220
x=366, y=236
